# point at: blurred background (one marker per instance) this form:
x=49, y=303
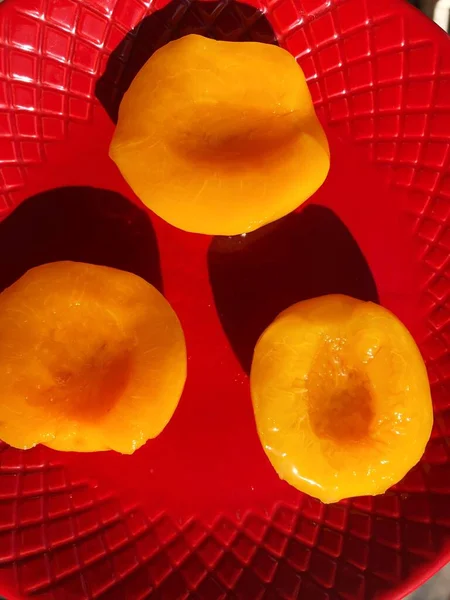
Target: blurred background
x=438, y=10
x=437, y=588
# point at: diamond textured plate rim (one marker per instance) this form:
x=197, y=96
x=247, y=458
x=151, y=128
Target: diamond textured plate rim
x=380, y=76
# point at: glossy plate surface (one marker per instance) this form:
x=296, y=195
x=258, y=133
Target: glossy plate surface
x=199, y=512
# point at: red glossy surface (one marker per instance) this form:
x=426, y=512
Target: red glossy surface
x=199, y=511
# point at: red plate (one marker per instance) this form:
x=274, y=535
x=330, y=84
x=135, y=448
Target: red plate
x=199, y=512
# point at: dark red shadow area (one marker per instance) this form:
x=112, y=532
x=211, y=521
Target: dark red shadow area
x=256, y=276
x=231, y=21
x=82, y=224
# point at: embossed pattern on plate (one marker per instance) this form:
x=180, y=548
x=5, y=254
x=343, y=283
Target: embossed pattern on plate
x=379, y=74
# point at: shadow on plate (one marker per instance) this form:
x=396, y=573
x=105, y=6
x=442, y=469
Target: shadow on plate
x=81, y=224
x=223, y=20
x=256, y=276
